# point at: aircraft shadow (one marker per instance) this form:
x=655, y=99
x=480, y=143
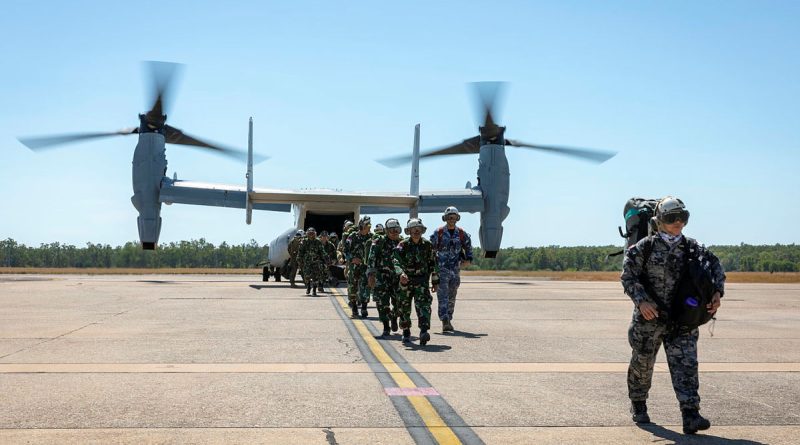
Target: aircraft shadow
x=699, y=438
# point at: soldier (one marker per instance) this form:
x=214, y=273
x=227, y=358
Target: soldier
x=355, y=251
x=312, y=260
x=415, y=263
x=293, y=247
x=347, y=229
x=381, y=277
x=330, y=255
x=379, y=230
x=453, y=247
x=651, y=271
x=334, y=239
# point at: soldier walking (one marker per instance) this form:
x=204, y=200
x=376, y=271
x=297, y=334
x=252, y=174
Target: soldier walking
x=294, y=246
x=651, y=272
x=453, y=247
x=312, y=259
x=381, y=277
x=355, y=251
x=330, y=255
x=415, y=263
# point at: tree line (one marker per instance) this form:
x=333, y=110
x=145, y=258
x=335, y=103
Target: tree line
x=200, y=253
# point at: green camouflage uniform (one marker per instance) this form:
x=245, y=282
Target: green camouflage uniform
x=293, y=247
x=312, y=260
x=387, y=286
x=356, y=246
x=662, y=271
x=418, y=262
x=330, y=256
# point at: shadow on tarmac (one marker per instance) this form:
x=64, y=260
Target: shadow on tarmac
x=461, y=334
x=701, y=438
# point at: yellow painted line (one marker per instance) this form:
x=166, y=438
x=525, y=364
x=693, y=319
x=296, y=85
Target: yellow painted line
x=435, y=424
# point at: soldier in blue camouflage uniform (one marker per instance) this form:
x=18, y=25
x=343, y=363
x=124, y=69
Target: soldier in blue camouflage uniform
x=355, y=252
x=312, y=260
x=415, y=263
x=651, y=272
x=453, y=248
x=385, y=284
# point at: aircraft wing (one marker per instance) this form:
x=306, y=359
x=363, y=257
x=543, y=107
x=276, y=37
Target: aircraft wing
x=280, y=200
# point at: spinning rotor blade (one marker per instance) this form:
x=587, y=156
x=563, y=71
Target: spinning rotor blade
x=597, y=156
x=467, y=146
x=43, y=142
x=161, y=76
x=174, y=135
x=486, y=96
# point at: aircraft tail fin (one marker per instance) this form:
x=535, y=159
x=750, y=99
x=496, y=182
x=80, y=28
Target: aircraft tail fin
x=249, y=203
x=414, y=190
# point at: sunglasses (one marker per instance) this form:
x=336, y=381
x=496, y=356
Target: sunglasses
x=671, y=218
x=394, y=230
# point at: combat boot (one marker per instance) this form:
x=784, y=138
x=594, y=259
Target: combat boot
x=319, y=288
x=385, y=329
x=639, y=411
x=394, y=324
x=314, y=291
x=693, y=421
x=407, y=336
x=354, y=307
x=447, y=326
x=308, y=288
x=424, y=337
x=364, y=310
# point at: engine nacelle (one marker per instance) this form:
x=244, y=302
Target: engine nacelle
x=493, y=179
x=149, y=168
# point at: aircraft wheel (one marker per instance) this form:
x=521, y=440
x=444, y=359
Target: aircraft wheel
x=277, y=275
x=265, y=274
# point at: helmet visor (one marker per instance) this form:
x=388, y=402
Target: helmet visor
x=671, y=218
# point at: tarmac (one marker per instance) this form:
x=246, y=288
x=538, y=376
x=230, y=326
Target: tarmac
x=150, y=359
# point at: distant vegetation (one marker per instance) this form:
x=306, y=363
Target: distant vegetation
x=202, y=254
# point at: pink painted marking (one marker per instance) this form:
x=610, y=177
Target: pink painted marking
x=404, y=392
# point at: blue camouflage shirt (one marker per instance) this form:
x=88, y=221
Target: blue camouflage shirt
x=450, y=249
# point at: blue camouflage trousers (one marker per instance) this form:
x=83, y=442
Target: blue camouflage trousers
x=449, y=280
x=645, y=338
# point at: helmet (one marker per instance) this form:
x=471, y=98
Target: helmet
x=333, y=235
x=347, y=225
x=671, y=209
x=451, y=211
x=299, y=233
x=379, y=228
x=414, y=222
x=364, y=221
x=311, y=230
x=324, y=233
x=392, y=223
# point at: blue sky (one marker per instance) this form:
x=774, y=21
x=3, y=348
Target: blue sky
x=699, y=99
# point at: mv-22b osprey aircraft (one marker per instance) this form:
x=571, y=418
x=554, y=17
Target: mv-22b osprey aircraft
x=321, y=209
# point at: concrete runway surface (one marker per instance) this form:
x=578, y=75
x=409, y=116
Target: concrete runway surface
x=229, y=359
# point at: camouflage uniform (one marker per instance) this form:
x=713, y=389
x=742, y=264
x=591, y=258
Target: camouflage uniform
x=380, y=263
x=294, y=246
x=356, y=246
x=662, y=271
x=312, y=259
x=330, y=256
x=418, y=262
x=450, y=251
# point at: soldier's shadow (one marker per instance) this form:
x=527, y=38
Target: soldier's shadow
x=427, y=348
x=700, y=438
x=461, y=334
